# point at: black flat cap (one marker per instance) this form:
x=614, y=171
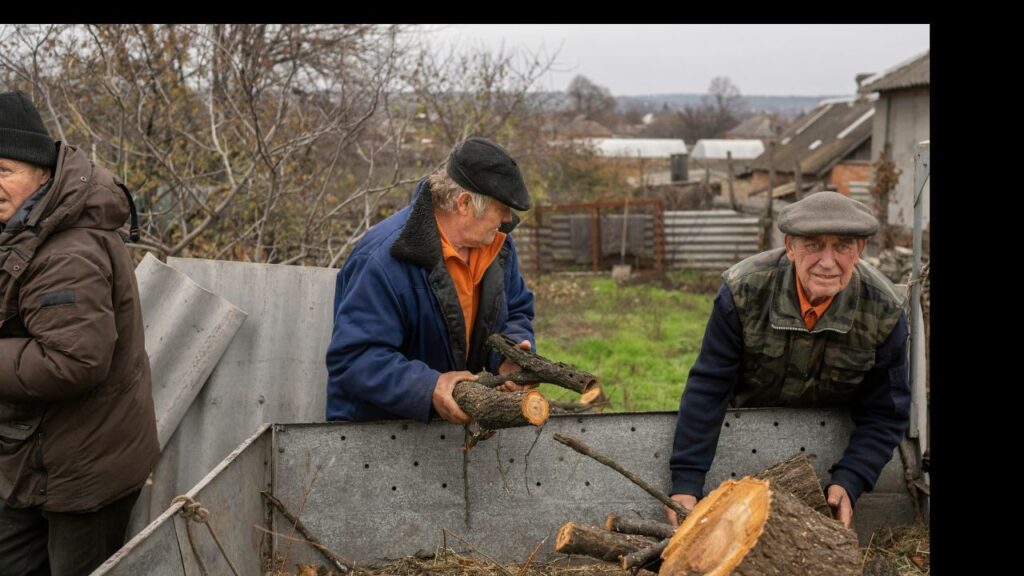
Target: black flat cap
x=481, y=166
x=827, y=213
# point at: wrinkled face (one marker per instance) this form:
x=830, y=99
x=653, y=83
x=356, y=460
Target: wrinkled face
x=18, y=180
x=824, y=263
x=481, y=230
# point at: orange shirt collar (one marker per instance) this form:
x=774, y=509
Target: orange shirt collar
x=480, y=258
x=467, y=275
x=805, y=306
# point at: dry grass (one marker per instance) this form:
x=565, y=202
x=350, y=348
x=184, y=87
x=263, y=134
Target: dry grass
x=447, y=562
x=902, y=551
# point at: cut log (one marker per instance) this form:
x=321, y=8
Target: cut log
x=641, y=526
x=796, y=476
x=494, y=410
x=558, y=373
x=747, y=527
x=494, y=380
x=597, y=543
x=647, y=558
x=594, y=396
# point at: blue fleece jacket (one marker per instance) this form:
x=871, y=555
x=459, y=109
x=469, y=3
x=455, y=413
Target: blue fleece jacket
x=396, y=316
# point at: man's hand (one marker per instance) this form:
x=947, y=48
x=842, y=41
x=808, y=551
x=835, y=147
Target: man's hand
x=508, y=367
x=442, y=398
x=839, y=501
x=687, y=501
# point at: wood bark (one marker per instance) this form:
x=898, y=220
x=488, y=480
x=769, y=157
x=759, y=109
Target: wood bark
x=494, y=380
x=494, y=410
x=648, y=558
x=750, y=527
x=796, y=476
x=641, y=526
x=558, y=373
x=597, y=543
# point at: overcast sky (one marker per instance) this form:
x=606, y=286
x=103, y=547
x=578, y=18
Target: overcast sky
x=761, y=59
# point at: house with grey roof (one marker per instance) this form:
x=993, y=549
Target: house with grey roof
x=830, y=146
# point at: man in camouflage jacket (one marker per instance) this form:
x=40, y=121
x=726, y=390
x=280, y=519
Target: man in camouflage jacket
x=805, y=325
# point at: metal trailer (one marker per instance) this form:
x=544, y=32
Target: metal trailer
x=373, y=491
x=380, y=490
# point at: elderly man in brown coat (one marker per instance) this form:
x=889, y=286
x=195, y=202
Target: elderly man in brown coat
x=77, y=424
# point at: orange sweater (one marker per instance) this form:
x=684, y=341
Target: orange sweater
x=467, y=276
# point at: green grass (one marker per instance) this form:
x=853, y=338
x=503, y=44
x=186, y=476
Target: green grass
x=639, y=340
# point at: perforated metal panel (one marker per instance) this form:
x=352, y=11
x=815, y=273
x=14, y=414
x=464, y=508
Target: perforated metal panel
x=385, y=490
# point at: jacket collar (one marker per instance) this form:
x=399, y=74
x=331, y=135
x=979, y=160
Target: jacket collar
x=419, y=243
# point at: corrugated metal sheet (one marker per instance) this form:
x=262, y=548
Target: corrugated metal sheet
x=716, y=149
x=861, y=192
x=188, y=328
x=638, y=147
x=709, y=239
x=694, y=239
x=915, y=71
x=273, y=370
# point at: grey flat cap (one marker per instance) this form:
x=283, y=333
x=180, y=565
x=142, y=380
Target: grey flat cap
x=481, y=166
x=827, y=213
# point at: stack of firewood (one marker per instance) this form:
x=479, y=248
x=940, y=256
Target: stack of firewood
x=775, y=522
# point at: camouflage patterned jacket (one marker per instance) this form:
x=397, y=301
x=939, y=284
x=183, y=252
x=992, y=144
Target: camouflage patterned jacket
x=757, y=352
x=784, y=364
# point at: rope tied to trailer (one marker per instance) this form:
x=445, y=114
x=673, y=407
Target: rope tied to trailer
x=193, y=511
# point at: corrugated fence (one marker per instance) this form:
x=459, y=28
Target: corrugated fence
x=694, y=239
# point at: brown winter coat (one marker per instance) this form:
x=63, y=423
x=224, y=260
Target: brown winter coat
x=77, y=425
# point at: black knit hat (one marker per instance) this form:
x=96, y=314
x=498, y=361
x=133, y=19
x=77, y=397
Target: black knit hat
x=22, y=133
x=481, y=166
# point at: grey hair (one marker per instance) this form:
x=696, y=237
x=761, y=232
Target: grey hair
x=444, y=192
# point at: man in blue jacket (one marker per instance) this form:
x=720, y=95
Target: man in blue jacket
x=422, y=291
x=805, y=325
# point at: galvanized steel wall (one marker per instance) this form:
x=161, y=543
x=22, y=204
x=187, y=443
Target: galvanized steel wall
x=385, y=490
x=273, y=370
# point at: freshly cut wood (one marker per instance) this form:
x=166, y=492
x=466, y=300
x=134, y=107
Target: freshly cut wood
x=597, y=543
x=494, y=410
x=593, y=396
x=750, y=527
x=796, y=476
x=558, y=373
x=641, y=526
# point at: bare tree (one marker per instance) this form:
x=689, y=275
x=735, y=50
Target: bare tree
x=718, y=112
x=474, y=92
x=254, y=142
x=590, y=100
